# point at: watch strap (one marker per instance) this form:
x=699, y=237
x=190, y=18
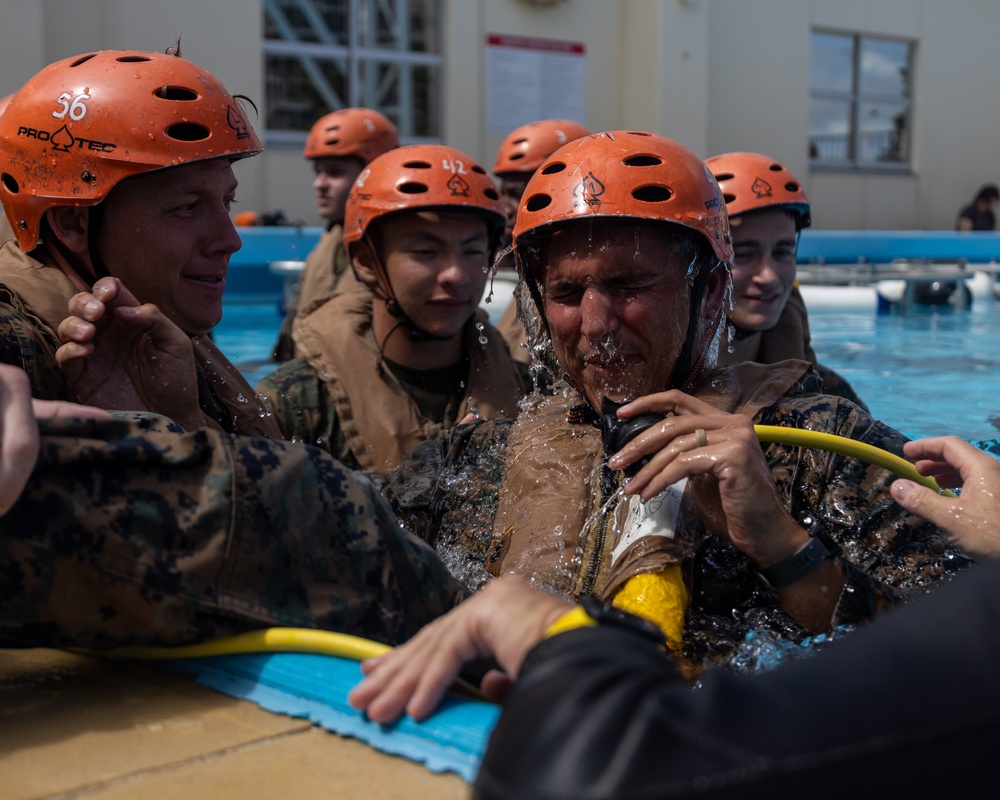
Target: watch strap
x=818, y=549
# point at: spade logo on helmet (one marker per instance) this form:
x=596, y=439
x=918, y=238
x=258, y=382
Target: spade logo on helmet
x=237, y=123
x=62, y=140
x=589, y=190
x=761, y=188
x=458, y=185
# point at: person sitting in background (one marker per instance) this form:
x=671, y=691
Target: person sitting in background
x=767, y=209
x=519, y=155
x=593, y=709
x=339, y=146
x=411, y=354
x=120, y=227
x=978, y=215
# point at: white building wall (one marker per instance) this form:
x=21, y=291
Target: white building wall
x=716, y=75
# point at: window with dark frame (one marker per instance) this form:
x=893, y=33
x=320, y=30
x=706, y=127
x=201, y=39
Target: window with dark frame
x=860, y=102
x=321, y=55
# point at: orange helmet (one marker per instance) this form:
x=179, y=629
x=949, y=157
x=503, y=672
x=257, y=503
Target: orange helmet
x=83, y=124
x=359, y=132
x=421, y=176
x=626, y=174
x=525, y=148
x=5, y=101
x=751, y=181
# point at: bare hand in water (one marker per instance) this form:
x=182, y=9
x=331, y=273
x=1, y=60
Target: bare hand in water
x=502, y=621
x=973, y=519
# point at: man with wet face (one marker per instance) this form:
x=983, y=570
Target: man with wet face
x=410, y=354
x=124, y=236
x=623, y=242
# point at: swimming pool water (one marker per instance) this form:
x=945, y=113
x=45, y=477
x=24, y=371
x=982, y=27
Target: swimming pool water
x=925, y=372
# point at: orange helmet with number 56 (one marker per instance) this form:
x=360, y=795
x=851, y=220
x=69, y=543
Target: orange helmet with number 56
x=81, y=125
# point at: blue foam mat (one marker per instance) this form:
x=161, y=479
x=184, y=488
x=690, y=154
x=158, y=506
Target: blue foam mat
x=315, y=687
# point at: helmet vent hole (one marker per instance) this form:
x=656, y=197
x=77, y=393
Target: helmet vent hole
x=652, y=194
x=729, y=198
x=537, y=202
x=9, y=183
x=175, y=93
x=516, y=156
x=792, y=186
x=491, y=193
x=82, y=60
x=132, y=59
x=417, y=165
x=722, y=177
x=478, y=169
x=554, y=167
x=521, y=140
x=775, y=167
x=412, y=187
x=188, y=132
x=642, y=161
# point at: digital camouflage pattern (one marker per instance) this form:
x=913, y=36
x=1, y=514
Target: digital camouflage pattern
x=447, y=492
x=128, y=534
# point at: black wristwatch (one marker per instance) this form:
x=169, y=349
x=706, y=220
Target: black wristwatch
x=607, y=614
x=818, y=549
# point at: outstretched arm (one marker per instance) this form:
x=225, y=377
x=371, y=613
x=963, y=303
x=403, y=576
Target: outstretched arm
x=970, y=519
x=118, y=354
x=502, y=621
x=19, y=431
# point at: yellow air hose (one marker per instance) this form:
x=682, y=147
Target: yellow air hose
x=775, y=434
x=306, y=640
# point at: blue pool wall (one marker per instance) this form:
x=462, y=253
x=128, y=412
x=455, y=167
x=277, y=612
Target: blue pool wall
x=249, y=272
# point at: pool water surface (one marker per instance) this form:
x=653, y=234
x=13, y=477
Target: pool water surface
x=925, y=372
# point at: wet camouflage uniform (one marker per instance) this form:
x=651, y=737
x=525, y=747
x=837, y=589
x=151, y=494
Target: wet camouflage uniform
x=789, y=338
x=130, y=536
x=451, y=491
x=340, y=396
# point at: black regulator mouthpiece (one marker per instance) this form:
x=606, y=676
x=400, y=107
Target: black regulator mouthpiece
x=616, y=433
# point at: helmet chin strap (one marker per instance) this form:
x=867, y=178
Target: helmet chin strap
x=70, y=260
x=688, y=367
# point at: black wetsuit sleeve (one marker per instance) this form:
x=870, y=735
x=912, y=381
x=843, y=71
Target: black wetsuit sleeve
x=907, y=706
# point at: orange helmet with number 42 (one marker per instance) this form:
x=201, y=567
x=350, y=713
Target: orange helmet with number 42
x=421, y=176
x=81, y=125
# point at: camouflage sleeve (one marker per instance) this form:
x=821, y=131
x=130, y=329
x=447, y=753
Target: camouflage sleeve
x=26, y=344
x=301, y=406
x=888, y=553
x=130, y=536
